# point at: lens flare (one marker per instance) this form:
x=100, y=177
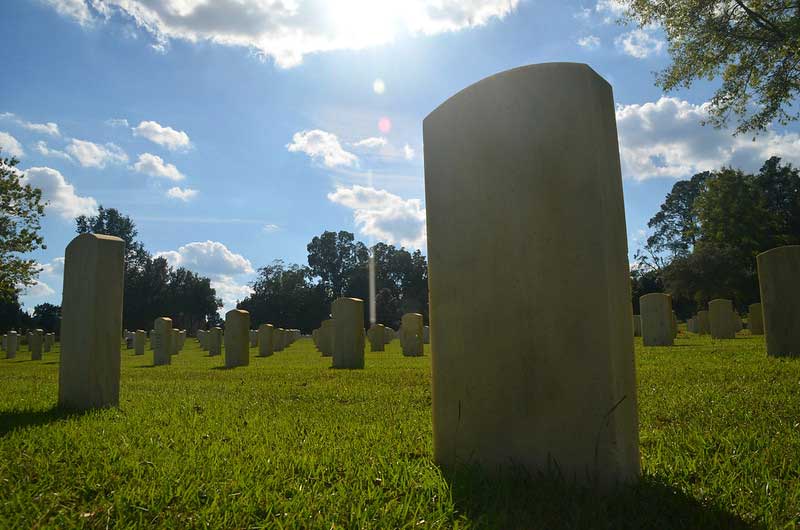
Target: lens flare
x=385, y=125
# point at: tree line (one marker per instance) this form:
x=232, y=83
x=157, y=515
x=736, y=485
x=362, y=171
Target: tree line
x=706, y=235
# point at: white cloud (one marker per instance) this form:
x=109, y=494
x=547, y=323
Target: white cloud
x=321, y=145
x=38, y=290
x=287, y=30
x=90, y=154
x=270, y=228
x=639, y=43
x=117, y=122
x=41, y=148
x=665, y=139
x=613, y=7
x=182, y=194
x=208, y=257
x=163, y=136
x=42, y=128
x=408, y=152
x=10, y=146
x=59, y=193
x=54, y=268
x=590, y=42
x=230, y=291
x=155, y=166
x=378, y=86
x=383, y=215
x=371, y=143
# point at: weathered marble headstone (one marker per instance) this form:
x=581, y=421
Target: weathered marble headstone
x=526, y=225
x=214, y=341
x=162, y=347
x=637, y=325
x=657, y=324
x=348, y=336
x=377, y=337
x=426, y=335
x=411, y=335
x=779, y=282
x=720, y=319
x=175, y=341
x=139, y=339
x=703, y=324
x=35, y=343
x=49, y=340
x=265, y=340
x=91, y=320
x=237, y=338
x=12, y=342
x=755, y=319
x=326, y=337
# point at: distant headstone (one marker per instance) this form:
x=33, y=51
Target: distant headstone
x=426, y=335
x=531, y=332
x=162, y=348
x=348, y=336
x=657, y=324
x=755, y=319
x=12, y=342
x=673, y=321
x=175, y=341
x=214, y=341
x=237, y=338
x=49, y=340
x=377, y=337
x=721, y=319
x=779, y=282
x=411, y=335
x=703, y=325
x=91, y=320
x=637, y=325
x=35, y=344
x=326, y=337
x=265, y=337
x=139, y=338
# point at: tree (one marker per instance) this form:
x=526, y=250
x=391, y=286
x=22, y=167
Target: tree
x=190, y=299
x=47, y=317
x=333, y=257
x=21, y=210
x=12, y=317
x=111, y=222
x=780, y=185
x=753, y=45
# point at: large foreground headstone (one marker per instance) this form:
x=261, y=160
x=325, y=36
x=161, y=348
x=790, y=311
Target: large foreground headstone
x=348, y=342
x=755, y=319
x=411, y=331
x=162, y=349
x=91, y=321
x=237, y=338
x=35, y=344
x=657, y=323
x=721, y=319
x=12, y=343
x=779, y=282
x=265, y=336
x=526, y=225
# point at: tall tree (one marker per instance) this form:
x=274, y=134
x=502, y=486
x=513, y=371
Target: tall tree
x=21, y=210
x=753, y=46
x=333, y=257
x=191, y=299
x=112, y=222
x=47, y=317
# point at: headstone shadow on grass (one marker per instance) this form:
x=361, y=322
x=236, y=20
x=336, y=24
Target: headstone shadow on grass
x=518, y=500
x=11, y=421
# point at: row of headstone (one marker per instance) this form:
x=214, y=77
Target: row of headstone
x=38, y=342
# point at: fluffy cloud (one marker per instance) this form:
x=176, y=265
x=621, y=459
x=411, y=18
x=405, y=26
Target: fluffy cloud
x=10, y=145
x=163, y=136
x=90, y=154
x=38, y=290
x=208, y=257
x=287, y=30
x=230, y=291
x=613, y=7
x=41, y=148
x=41, y=128
x=182, y=194
x=408, y=152
x=383, y=215
x=155, y=166
x=639, y=43
x=371, y=143
x=59, y=193
x=54, y=268
x=590, y=42
x=665, y=139
x=321, y=145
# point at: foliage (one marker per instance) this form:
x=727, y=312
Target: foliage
x=21, y=210
x=47, y=317
x=752, y=45
x=12, y=317
x=289, y=443
x=334, y=257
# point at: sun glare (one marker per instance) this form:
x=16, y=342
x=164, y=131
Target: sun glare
x=365, y=22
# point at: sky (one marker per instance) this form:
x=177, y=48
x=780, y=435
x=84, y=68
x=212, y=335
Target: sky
x=234, y=131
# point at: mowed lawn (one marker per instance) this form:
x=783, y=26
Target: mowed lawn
x=290, y=443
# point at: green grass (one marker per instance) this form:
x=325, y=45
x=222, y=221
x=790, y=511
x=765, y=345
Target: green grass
x=289, y=443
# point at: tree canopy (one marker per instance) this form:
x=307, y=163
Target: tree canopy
x=21, y=210
x=752, y=45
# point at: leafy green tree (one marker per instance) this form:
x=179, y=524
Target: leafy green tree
x=333, y=257
x=191, y=299
x=112, y=222
x=47, y=317
x=753, y=46
x=21, y=210
x=12, y=317
x=780, y=185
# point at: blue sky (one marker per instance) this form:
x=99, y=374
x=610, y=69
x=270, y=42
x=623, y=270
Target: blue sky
x=234, y=131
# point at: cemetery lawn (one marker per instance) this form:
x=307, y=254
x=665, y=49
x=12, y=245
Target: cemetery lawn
x=290, y=443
